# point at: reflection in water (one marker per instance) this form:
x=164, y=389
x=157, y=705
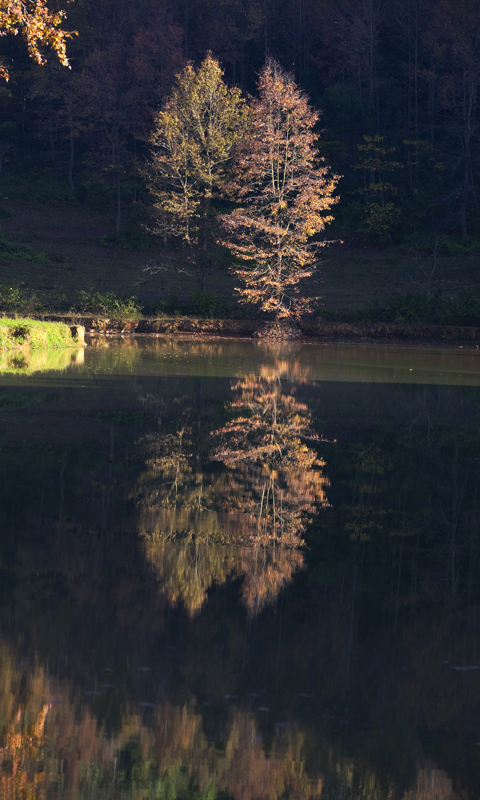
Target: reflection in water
x=202, y=527
x=54, y=746
x=27, y=362
x=431, y=783
x=190, y=565
x=50, y=750
x=277, y=477
x=200, y=660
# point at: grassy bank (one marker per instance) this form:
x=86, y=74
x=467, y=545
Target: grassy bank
x=29, y=334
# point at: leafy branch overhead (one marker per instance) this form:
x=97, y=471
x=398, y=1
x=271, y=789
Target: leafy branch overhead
x=38, y=26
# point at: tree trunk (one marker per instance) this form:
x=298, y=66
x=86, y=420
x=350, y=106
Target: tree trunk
x=118, y=224
x=70, y=164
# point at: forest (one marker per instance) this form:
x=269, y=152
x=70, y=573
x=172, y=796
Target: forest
x=394, y=87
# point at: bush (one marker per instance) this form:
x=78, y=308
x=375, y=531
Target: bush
x=17, y=298
x=21, y=252
x=208, y=304
x=90, y=301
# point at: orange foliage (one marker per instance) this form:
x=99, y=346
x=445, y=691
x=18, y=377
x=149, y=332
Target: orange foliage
x=38, y=26
x=286, y=193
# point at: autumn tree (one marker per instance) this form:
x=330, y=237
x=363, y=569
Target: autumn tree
x=38, y=26
x=285, y=191
x=191, y=148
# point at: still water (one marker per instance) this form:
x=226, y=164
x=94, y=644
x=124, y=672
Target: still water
x=234, y=571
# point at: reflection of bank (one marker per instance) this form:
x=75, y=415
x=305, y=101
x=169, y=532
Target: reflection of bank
x=29, y=361
x=247, y=521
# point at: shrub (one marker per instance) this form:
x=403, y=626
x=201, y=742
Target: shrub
x=110, y=304
x=21, y=252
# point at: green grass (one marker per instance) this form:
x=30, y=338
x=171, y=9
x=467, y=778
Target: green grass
x=28, y=334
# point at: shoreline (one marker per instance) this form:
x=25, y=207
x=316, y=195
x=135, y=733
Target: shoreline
x=315, y=330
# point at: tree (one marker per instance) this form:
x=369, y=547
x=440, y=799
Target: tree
x=348, y=52
x=379, y=212
x=286, y=192
x=38, y=26
x=192, y=145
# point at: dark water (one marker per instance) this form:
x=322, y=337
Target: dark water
x=241, y=571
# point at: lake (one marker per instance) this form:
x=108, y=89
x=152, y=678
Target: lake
x=237, y=570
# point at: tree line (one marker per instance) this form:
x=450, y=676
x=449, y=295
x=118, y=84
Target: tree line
x=397, y=85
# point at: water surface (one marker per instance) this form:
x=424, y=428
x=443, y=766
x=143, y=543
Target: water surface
x=239, y=570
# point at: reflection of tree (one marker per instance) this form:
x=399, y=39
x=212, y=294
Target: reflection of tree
x=266, y=572
x=277, y=476
x=273, y=484
x=58, y=749
x=200, y=527
x=170, y=480
x=187, y=566
x=22, y=755
x=431, y=784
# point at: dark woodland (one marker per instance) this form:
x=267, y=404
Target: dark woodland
x=396, y=83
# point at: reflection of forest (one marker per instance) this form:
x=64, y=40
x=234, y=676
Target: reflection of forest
x=54, y=746
x=361, y=681
x=203, y=526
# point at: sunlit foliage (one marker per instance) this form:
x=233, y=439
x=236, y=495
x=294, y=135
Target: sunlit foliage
x=38, y=26
x=285, y=194
x=191, y=147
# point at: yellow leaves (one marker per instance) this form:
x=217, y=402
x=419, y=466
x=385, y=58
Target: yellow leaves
x=38, y=26
x=192, y=144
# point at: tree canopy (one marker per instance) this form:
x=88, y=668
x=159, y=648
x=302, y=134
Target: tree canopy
x=285, y=190
x=191, y=147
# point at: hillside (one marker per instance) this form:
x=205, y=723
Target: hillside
x=69, y=236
